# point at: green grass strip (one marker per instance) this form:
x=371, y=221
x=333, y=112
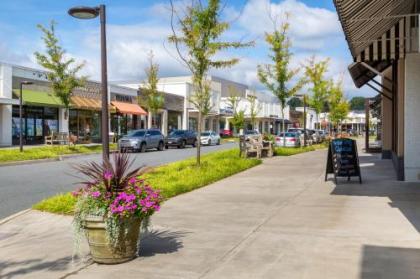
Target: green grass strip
x=172, y=179
x=47, y=152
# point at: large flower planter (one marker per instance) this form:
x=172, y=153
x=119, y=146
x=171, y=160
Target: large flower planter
x=101, y=250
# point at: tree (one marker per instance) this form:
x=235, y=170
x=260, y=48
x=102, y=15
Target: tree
x=238, y=119
x=357, y=103
x=339, y=106
x=61, y=72
x=295, y=102
x=152, y=98
x=277, y=77
x=254, y=109
x=197, y=44
x=314, y=72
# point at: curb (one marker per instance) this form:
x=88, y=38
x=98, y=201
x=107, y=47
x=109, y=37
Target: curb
x=11, y=217
x=59, y=158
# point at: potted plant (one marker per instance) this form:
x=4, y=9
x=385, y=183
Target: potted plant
x=111, y=207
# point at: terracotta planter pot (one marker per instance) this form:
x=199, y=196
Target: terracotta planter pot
x=101, y=250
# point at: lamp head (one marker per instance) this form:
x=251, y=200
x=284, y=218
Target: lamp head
x=83, y=12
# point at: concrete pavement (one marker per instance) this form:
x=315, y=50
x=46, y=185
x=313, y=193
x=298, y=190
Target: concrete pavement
x=21, y=186
x=277, y=220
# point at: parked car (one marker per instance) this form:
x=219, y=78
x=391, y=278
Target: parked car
x=226, y=133
x=302, y=135
x=141, y=140
x=181, y=138
x=209, y=138
x=291, y=139
x=322, y=135
x=251, y=134
x=316, y=138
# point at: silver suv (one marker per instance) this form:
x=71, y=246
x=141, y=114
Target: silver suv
x=141, y=140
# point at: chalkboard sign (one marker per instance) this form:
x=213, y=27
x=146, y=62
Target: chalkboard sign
x=343, y=159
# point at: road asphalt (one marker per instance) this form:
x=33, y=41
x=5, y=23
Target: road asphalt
x=21, y=186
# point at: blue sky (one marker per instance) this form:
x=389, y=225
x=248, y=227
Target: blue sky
x=137, y=26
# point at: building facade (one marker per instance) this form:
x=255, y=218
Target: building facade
x=218, y=119
x=383, y=38
x=44, y=114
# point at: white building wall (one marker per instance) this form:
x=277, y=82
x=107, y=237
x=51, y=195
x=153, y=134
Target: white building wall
x=412, y=118
x=5, y=110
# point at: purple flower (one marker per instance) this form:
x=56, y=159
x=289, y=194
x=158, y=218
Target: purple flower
x=108, y=175
x=132, y=180
x=96, y=194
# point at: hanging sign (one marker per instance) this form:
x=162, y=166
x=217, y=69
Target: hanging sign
x=343, y=159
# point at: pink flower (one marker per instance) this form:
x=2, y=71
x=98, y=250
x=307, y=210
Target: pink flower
x=132, y=180
x=108, y=175
x=96, y=194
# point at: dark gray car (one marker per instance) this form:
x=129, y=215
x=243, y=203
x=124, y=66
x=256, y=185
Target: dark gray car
x=181, y=138
x=141, y=140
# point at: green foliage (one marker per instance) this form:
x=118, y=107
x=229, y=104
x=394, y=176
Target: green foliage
x=60, y=204
x=289, y=151
x=314, y=72
x=173, y=179
x=254, y=109
x=47, y=152
x=295, y=102
x=339, y=106
x=61, y=73
x=151, y=97
x=197, y=44
x=238, y=119
x=277, y=77
x=357, y=103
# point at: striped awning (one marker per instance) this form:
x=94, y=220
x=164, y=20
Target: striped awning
x=128, y=108
x=85, y=103
x=376, y=29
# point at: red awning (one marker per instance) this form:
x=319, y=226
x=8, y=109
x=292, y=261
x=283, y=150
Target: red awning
x=127, y=108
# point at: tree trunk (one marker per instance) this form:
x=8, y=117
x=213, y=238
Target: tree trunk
x=282, y=127
x=199, y=138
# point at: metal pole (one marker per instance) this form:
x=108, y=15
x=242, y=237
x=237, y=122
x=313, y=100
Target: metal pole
x=20, y=120
x=304, y=120
x=104, y=86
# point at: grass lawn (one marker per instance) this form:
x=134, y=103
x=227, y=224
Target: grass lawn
x=47, y=152
x=229, y=139
x=289, y=151
x=172, y=179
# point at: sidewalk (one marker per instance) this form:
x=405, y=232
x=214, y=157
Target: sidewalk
x=277, y=220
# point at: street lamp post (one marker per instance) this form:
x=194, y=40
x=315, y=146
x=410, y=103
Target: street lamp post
x=89, y=13
x=20, y=114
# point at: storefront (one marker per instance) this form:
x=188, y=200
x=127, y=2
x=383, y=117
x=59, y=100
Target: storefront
x=39, y=117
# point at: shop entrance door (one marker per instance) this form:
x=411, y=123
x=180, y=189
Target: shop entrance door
x=34, y=125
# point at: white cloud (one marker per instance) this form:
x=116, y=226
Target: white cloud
x=309, y=27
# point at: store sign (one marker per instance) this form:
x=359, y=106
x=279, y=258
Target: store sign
x=343, y=159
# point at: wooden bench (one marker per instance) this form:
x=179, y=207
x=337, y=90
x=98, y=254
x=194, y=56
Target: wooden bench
x=255, y=145
x=57, y=138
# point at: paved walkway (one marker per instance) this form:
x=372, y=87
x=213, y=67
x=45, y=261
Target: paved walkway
x=278, y=220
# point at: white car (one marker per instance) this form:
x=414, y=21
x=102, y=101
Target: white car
x=209, y=138
x=292, y=139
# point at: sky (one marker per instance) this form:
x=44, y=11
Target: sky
x=136, y=27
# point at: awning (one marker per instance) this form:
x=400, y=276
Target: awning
x=127, y=108
x=375, y=30
x=286, y=121
x=38, y=98
x=8, y=101
x=363, y=72
x=86, y=103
